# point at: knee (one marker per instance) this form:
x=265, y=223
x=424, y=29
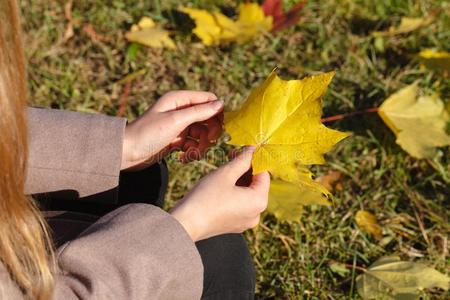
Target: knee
x=228, y=267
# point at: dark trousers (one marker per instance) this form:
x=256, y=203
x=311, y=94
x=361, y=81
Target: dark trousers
x=228, y=268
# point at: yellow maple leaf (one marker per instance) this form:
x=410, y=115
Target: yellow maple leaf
x=146, y=33
x=417, y=121
x=282, y=118
x=287, y=199
x=207, y=28
x=252, y=21
x=213, y=27
x=368, y=223
x=435, y=60
x=293, y=188
x=302, y=178
x=406, y=25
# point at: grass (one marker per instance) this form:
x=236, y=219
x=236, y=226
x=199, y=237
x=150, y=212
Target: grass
x=408, y=196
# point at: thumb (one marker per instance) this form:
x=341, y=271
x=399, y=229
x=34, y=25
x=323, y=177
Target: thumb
x=261, y=183
x=197, y=113
x=240, y=164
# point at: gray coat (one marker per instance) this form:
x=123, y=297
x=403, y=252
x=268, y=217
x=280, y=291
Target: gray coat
x=136, y=252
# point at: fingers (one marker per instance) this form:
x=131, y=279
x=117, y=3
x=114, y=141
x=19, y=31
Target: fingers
x=197, y=143
x=196, y=130
x=239, y=165
x=190, y=151
x=214, y=127
x=204, y=142
x=260, y=186
x=181, y=99
x=197, y=113
x=261, y=183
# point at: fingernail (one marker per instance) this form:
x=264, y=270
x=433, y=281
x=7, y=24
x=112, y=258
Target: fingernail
x=218, y=104
x=250, y=148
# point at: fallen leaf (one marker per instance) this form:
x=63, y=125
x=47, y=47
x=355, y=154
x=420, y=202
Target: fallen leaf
x=282, y=118
x=214, y=28
x=391, y=278
x=251, y=21
x=274, y=8
x=68, y=33
x=435, y=60
x=207, y=26
x=146, y=33
x=368, y=223
x=406, y=25
x=417, y=121
x=331, y=180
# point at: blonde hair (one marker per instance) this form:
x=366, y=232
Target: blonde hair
x=25, y=245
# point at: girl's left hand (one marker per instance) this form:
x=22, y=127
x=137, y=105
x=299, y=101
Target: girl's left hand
x=190, y=121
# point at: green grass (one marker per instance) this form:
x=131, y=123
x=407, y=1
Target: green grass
x=408, y=196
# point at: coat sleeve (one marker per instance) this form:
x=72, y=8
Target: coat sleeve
x=73, y=151
x=136, y=252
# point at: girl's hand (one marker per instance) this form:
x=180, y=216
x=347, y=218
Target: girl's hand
x=218, y=206
x=190, y=121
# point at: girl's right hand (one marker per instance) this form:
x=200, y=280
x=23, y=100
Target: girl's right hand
x=217, y=205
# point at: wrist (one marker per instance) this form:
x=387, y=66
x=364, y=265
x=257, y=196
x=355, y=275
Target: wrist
x=183, y=217
x=127, y=148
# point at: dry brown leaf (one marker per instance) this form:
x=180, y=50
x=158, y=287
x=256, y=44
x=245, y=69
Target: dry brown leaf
x=68, y=33
x=331, y=181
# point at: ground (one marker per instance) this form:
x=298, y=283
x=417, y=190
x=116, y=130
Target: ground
x=83, y=72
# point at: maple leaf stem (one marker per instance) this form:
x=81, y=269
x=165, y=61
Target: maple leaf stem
x=351, y=267
x=124, y=99
x=343, y=116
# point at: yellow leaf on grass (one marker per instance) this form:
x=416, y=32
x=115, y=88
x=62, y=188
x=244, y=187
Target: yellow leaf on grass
x=207, y=28
x=146, y=33
x=252, y=21
x=417, y=121
x=391, y=278
x=435, y=60
x=368, y=223
x=214, y=28
x=406, y=25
